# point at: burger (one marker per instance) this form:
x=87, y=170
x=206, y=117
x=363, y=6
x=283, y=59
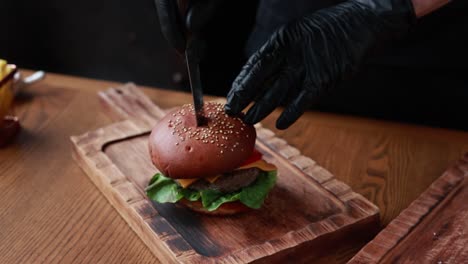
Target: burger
x=212, y=169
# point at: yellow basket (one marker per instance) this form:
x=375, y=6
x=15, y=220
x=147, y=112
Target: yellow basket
x=7, y=73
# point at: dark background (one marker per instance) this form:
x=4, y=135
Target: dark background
x=105, y=39
x=420, y=79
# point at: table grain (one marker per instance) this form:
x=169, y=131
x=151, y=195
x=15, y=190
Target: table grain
x=50, y=212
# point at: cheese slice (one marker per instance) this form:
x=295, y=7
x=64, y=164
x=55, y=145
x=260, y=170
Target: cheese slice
x=213, y=179
x=187, y=182
x=261, y=164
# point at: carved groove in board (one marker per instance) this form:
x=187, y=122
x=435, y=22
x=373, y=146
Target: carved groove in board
x=135, y=200
x=108, y=99
x=396, y=230
x=318, y=174
x=337, y=187
x=393, y=236
x=302, y=235
x=118, y=126
x=113, y=174
x=116, y=134
x=86, y=147
x=145, y=103
x=119, y=182
x=100, y=161
x=340, y=219
x=275, y=143
x=141, y=126
x=105, y=145
x=278, y=243
x=128, y=127
x=289, y=152
x=253, y=251
x=264, y=134
x=320, y=228
x=348, y=196
x=89, y=137
x=144, y=209
x=128, y=192
x=357, y=207
x=178, y=245
x=91, y=149
x=191, y=256
x=128, y=101
x=420, y=210
x=162, y=228
x=302, y=162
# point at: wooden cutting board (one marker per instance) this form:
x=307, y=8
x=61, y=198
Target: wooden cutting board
x=433, y=229
x=306, y=213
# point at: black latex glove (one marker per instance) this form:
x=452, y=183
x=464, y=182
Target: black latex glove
x=311, y=55
x=183, y=18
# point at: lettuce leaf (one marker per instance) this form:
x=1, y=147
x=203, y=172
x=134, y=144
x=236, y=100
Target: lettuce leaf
x=254, y=194
x=165, y=190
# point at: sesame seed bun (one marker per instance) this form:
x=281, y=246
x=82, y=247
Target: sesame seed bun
x=181, y=150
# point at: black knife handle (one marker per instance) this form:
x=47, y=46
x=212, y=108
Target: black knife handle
x=192, y=56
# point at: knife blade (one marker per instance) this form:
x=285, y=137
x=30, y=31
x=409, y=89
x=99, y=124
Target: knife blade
x=192, y=60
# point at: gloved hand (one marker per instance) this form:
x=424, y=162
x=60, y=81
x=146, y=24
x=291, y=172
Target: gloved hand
x=179, y=19
x=312, y=55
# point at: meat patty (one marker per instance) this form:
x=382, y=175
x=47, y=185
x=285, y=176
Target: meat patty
x=229, y=182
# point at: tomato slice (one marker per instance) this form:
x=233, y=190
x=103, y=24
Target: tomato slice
x=256, y=155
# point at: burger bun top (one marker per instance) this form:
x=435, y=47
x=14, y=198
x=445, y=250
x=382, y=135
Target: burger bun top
x=181, y=150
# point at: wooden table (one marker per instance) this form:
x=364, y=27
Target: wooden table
x=51, y=212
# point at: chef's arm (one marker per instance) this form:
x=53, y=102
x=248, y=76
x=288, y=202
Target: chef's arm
x=424, y=7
